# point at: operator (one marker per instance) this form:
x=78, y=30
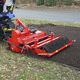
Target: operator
x=8, y=6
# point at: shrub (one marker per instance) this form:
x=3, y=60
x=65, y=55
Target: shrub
x=78, y=3
x=50, y=2
x=39, y=2
x=75, y=3
x=68, y=2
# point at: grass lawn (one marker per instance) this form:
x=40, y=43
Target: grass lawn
x=16, y=66
x=33, y=21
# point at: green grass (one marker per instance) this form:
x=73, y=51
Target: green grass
x=33, y=21
x=15, y=66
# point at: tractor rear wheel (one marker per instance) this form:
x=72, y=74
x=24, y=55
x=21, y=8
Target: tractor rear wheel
x=11, y=25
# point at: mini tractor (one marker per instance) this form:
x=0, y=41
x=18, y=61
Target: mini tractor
x=6, y=24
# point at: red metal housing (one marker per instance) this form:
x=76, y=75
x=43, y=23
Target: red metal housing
x=21, y=41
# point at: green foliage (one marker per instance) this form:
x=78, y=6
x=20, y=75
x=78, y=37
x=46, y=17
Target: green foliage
x=75, y=3
x=50, y=2
x=68, y=2
x=39, y=2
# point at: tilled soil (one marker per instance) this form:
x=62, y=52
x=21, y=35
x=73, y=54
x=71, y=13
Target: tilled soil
x=69, y=56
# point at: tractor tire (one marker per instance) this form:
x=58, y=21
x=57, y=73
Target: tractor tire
x=11, y=25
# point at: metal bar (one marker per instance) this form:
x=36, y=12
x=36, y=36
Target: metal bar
x=45, y=42
x=13, y=44
x=18, y=21
x=56, y=51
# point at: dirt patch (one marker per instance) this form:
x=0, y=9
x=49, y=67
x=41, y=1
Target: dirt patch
x=69, y=56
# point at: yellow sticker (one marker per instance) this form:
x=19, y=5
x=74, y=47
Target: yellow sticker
x=66, y=45
x=56, y=51
x=11, y=8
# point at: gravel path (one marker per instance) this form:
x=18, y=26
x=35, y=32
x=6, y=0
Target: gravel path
x=69, y=17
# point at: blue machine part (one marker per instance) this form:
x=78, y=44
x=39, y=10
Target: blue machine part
x=10, y=15
x=1, y=15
